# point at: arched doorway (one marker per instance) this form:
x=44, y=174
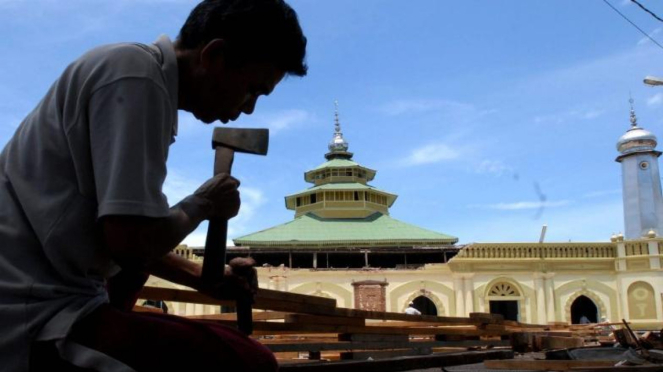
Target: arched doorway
x=581, y=307
x=425, y=305
x=503, y=298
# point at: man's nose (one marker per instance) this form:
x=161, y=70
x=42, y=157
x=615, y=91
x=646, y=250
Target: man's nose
x=249, y=106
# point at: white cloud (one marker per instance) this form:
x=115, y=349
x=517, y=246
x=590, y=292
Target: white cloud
x=522, y=205
x=494, y=167
x=577, y=222
x=655, y=100
x=569, y=115
x=596, y=194
x=277, y=122
x=646, y=40
x=432, y=153
x=178, y=186
x=422, y=105
x=591, y=114
x=285, y=120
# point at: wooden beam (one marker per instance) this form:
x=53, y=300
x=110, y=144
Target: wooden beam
x=305, y=345
x=292, y=302
x=262, y=315
x=546, y=365
x=318, y=319
x=401, y=363
x=265, y=299
x=555, y=342
x=266, y=328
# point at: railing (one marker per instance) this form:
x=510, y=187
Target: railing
x=560, y=250
x=636, y=248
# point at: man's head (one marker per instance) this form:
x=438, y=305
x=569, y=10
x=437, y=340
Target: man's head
x=236, y=51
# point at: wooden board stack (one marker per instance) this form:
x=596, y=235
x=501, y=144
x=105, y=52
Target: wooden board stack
x=307, y=332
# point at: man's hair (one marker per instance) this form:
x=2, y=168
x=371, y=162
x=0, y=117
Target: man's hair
x=254, y=31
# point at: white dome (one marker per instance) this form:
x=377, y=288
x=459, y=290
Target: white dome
x=636, y=139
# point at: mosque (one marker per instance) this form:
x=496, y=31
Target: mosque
x=344, y=244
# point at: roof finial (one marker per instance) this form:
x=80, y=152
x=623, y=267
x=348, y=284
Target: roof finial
x=634, y=119
x=337, y=123
x=338, y=143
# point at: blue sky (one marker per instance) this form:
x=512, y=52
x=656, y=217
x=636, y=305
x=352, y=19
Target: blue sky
x=473, y=112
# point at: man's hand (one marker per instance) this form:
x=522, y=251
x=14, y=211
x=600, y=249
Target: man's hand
x=221, y=192
x=240, y=280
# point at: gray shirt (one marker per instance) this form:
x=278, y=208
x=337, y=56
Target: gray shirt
x=95, y=145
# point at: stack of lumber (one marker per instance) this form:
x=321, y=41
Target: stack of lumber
x=311, y=333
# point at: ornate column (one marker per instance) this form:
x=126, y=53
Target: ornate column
x=550, y=298
x=621, y=255
x=654, y=260
x=539, y=290
x=469, y=294
x=458, y=289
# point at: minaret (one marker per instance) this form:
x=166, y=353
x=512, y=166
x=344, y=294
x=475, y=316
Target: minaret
x=641, y=181
x=341, y=189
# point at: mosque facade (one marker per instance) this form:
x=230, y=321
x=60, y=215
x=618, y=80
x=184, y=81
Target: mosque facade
x=343, y=244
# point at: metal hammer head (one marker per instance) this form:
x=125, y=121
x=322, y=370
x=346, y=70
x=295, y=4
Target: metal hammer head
x=252, y=141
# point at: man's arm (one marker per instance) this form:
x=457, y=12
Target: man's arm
x=137, y=242
x=145, y=243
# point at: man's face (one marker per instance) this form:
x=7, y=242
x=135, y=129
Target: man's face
x=227, y=92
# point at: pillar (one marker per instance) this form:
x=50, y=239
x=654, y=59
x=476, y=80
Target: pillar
x=550, y=299
x=539, y=289
x=654, y=260
x=469, y=295
x=458, y=289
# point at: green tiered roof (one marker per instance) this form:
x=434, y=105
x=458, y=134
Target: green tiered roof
x=329, y=214
x=375, y=230
x=340, y=186
x=337, y=163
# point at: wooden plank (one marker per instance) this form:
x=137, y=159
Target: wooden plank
x=401, y=324
x=406, y=317
x=546, y=365
x=318, y=319
x=363, y=337
x=488, y=317
x=383, y=354
x=402, y=363
x=147, y=309
x=553, y=342
x=304, y=346
x=257, y=316
x=649, y=368
x=293, y=302
x=270, y=328
x=455, y=337
x=264, y=299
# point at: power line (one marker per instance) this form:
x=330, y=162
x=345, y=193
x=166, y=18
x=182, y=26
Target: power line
x=647, y=10
x=634, y=25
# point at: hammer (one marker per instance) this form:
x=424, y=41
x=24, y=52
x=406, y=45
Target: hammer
x=227, y=141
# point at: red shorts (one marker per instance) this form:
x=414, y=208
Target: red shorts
x=160, y=342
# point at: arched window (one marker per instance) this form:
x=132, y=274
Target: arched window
x=503, y=289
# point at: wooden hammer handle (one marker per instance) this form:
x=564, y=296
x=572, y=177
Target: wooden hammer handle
x=214, y=262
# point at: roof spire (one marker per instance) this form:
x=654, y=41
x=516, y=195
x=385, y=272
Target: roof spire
x=338, y=146
x=634, y=119
x=337, y=124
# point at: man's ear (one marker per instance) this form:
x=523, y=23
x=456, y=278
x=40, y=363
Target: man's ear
x=212, y=54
